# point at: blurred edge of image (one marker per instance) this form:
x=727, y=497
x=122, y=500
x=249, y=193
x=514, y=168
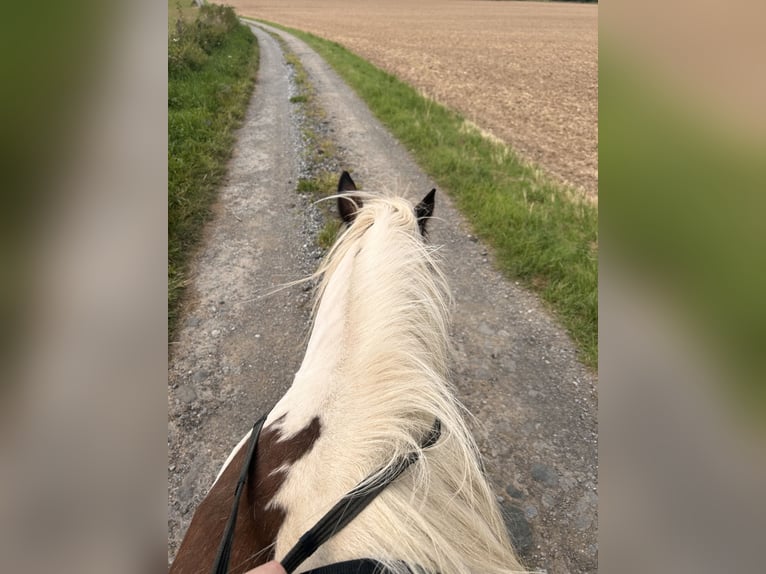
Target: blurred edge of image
x=682, y=282
x=83, y=311
x=682, y=397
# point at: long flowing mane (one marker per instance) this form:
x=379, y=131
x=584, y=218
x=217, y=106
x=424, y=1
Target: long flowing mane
x=372, y=383
x=389, y=385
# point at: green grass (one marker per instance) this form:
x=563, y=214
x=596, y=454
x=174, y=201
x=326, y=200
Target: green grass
x=323, y=184
x=318, y=181
x=212, y=63
x=329, y=233
x=541, y=234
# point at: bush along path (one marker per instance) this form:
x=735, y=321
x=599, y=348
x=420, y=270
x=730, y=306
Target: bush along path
x=237, y=346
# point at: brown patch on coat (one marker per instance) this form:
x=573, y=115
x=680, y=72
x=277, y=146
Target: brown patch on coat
x=257, y=526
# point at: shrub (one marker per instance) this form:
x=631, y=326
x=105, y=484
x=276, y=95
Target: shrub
x=190, y=45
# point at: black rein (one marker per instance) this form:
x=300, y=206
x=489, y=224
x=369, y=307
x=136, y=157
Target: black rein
x=337, y=518
x=221, y=564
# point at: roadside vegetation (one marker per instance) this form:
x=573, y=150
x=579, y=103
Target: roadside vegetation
x=212, y=61
x=320, y=178
x=542, y=233
x=185, y=11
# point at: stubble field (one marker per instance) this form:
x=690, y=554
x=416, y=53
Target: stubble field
x=525, y=72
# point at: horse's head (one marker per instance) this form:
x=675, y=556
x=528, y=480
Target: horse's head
x=349, y=204
x=372, y=391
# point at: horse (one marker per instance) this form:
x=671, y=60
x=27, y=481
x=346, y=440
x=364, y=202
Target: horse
x=372, y=388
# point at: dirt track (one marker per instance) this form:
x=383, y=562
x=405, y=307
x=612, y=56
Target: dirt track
x=236, y=350
x=527, y=72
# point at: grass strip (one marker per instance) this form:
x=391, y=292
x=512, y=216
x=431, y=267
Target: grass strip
x=212, y=63
x=685, y=215
x=320, y=177
x=542, y=234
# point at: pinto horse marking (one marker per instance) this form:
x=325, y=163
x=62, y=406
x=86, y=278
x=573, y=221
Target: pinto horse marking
x=258, y=521
x=374, y=378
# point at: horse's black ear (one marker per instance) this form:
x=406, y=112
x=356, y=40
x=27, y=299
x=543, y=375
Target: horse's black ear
x=347, y=206
x=345, y=183
x=424, y=210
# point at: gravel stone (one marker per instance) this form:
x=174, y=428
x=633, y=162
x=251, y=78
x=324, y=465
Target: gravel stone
x=518, y=527
x=545, y=474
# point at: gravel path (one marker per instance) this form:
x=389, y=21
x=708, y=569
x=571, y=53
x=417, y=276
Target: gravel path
x=237, y=348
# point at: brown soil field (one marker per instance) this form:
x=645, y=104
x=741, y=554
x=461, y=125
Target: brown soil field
x=525, y=72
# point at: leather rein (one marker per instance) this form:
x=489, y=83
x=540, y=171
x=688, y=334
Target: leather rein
x=337, y=518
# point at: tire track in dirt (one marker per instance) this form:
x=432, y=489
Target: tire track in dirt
x=516, y=370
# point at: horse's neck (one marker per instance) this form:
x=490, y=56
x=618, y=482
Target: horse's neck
x=324, y=348
x=315, y=378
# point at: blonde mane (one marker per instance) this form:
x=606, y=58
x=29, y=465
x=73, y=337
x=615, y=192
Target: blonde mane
x=389, y=385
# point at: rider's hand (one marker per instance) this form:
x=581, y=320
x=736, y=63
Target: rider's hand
x=272, y=567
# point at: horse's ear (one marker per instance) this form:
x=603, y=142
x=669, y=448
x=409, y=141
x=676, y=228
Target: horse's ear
x=345, y=183
x=347, y=206
x=424, y=210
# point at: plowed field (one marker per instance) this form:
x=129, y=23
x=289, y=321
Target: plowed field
x=526, y=72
